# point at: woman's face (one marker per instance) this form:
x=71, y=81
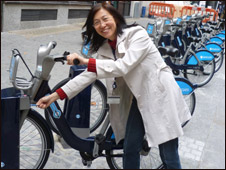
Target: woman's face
x=104, y=24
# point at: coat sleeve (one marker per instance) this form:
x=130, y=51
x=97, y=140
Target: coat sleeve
x=139, y=45
x=78, y=83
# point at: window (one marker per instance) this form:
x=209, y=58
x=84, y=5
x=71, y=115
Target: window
x=78, y=13
x=38, y=14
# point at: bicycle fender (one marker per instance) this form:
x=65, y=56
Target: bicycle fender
x=216, y=40
x=202, y=55
x=221, y=35
x=150, y=28
x=46, y=126
x=213, y=47
x=185, y=86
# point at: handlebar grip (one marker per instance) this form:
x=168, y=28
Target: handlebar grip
x=76, y=61
x=54, y=43
x=65, y=55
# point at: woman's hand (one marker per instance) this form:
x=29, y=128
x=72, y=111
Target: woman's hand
x=82, y=60
x=44, y=102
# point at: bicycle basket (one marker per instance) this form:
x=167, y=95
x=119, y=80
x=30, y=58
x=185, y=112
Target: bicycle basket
x=13, y=68
x=18, y=82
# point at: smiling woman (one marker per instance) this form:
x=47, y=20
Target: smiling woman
x=105, y=24
x=152, y=110
x=100, y=17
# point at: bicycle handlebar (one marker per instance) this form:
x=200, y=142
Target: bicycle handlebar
x=176, y=25
x=64, y=58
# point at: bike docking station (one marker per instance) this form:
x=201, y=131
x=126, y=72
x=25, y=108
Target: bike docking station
x=14, y=106
x=78, y=109
x=12, y=103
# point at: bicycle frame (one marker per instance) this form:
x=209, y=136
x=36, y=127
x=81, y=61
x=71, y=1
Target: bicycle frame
x=83, y=145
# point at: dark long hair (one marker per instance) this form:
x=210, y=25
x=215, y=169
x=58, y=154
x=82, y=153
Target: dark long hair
x=93, y=37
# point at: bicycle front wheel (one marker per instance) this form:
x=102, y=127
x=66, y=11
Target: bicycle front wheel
x=199, y=77
x=34, y=143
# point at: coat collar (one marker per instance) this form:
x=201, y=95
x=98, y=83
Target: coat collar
x=105, y=49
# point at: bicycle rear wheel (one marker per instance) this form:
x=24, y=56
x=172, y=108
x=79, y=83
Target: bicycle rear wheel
x=34, y=143
x=114, y=157
x=199, y=77
x=98, y=105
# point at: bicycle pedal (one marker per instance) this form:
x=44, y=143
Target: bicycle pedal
x=87, y=163
x=144, y=153
x=145, y=148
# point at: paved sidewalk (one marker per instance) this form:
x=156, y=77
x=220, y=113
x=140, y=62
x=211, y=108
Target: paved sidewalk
x=201, y=147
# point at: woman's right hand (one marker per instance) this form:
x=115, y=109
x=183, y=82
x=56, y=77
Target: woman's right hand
x=82, y=60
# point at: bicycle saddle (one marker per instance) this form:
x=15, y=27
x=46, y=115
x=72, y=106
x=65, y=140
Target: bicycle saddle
x=212, y=22
x=221, y=20
x=206, y=30
x=171, y=51
x=214, y=27
x=194, y=39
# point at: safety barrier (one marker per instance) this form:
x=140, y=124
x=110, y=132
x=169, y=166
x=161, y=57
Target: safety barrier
x=212, y=18
x=168, y=11
x=189, y=10
x=161, y=9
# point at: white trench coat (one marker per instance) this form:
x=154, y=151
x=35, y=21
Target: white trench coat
x=141, y=72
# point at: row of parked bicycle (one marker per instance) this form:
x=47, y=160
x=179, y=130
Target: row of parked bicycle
x=193, y=50
x=197, y=44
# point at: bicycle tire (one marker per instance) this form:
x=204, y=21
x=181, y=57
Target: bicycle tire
x=31, y=131
x=219, y=61
x=114, y=160
x=190, y=99
x=96, y=116
x=198, y=77
x=103, y=111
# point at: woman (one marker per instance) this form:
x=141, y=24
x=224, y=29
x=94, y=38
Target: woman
x=151, y=102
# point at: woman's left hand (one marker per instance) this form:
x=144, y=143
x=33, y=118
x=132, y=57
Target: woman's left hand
x=82, y=60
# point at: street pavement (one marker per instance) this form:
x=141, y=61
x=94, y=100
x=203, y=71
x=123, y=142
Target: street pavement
x=203, y=143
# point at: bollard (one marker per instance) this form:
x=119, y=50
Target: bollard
x=143, y=11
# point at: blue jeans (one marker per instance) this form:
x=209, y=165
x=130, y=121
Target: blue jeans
x=133, y=143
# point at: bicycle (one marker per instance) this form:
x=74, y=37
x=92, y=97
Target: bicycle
x=210, y=38
x=200, y=64
x=178, y=42
x=90, y=147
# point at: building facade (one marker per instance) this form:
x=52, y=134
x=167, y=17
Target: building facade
x=19, y=15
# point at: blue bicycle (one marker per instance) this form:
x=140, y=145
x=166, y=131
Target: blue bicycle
x=36, y=139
